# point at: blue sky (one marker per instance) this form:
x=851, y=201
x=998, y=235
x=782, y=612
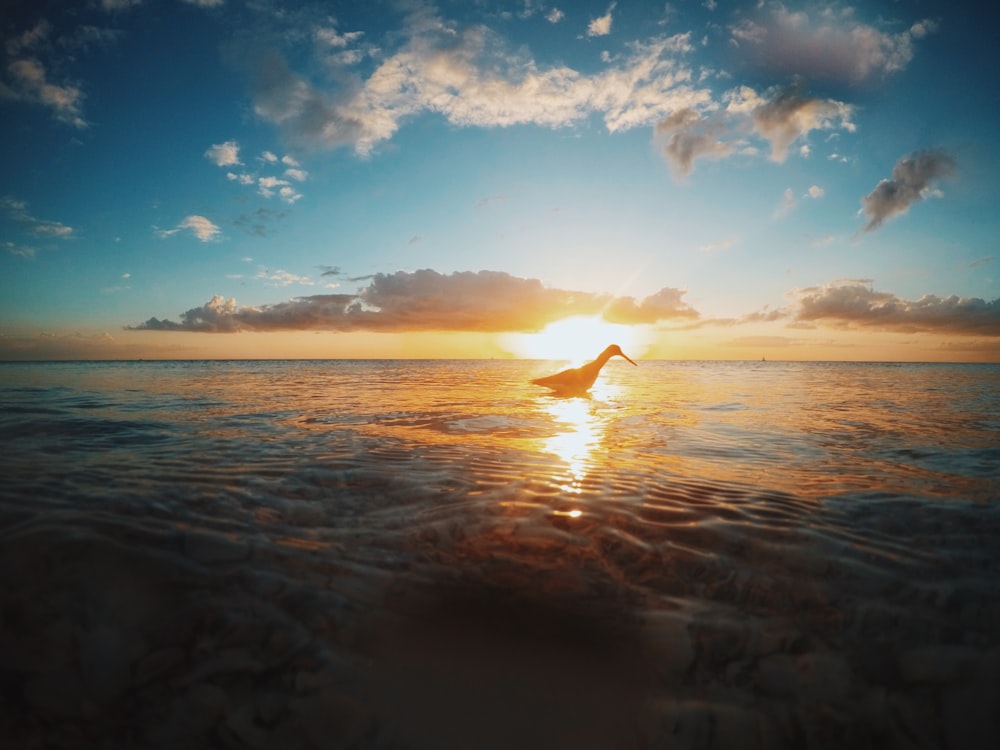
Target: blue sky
x=727, y=179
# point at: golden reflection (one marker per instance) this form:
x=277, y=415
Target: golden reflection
x=578, y=443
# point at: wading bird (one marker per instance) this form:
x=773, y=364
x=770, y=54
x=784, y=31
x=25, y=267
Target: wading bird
x=579, y=379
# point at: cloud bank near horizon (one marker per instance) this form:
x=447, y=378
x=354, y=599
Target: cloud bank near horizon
x=425, y=300
x=496, y=302
x=855, y=304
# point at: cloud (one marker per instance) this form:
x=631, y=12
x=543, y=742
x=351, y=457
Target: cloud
x=826, y=45
x=720, y=245
x=782, y=116
x=17, y=210
x=471, y=78
x=25, y=77
x=601, y=26
x=269, y=186
x=978, y=262
x=201, y=227
x=686, y=136
x=789, y=116
x=225, y=154
x=284, y=278
x=855, y=304
x=555, y=15
x=117, y=5
x=815, y=192
x=911, y=181
x=27, y=80
x=487, y=301
x=22, y=251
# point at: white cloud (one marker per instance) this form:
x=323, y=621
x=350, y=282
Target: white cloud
x=331, y=38
x=289, y=194
x=555, y=15
x=284, y=278
x=201, y=227
x=601, y=26
x=815, y=191
x=468, y=77
x=225, y=154
x=299, y=175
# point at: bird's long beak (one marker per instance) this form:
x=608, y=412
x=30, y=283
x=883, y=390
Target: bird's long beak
x=628, y=358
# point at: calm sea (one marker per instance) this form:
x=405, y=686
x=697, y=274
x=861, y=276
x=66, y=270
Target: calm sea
x=438, y=554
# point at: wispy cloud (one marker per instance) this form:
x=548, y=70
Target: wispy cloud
x=118, y=5
x=26, y=76
x=826, y=45
x=18, y=249
x=17, y=211
x=283, y=278
x=199, y=226
x=912, y=180
x=488, y=301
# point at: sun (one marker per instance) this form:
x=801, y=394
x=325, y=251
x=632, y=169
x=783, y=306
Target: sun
x=578, y=339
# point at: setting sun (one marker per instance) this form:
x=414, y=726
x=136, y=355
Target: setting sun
x=577, y=339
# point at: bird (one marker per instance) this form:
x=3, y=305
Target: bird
x=579, y=379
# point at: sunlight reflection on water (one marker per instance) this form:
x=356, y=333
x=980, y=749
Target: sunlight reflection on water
x=772, y=551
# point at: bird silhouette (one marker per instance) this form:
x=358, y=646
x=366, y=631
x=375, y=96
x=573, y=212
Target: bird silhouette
x=579, y=379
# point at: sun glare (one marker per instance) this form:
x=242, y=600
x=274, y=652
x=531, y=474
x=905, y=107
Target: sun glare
x=578, y=339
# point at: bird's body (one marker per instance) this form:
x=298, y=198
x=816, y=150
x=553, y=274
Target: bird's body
x=580, y=379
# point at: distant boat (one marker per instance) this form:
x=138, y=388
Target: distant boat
x=580, y=379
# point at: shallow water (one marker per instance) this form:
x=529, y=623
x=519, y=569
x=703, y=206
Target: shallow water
x=437, y=554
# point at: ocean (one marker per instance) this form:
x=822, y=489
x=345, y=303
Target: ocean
x=439, y=555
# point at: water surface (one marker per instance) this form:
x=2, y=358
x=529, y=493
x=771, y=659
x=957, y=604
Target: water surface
x=437, y=554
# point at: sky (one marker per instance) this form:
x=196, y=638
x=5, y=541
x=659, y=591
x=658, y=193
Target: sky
x=692, y=180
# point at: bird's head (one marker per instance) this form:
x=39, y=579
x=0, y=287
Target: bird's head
x=615, y=350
